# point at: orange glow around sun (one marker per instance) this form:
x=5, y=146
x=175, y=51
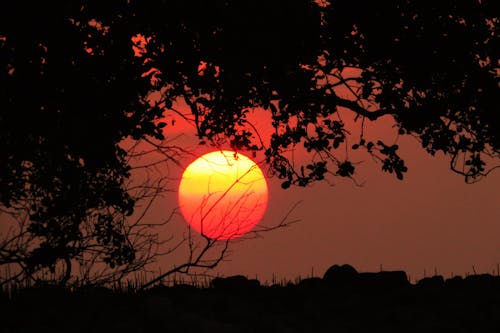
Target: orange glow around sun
x=223, y=195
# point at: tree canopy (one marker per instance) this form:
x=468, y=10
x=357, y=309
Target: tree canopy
x=77, y=79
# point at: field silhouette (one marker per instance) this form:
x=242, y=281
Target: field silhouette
x=343, y=300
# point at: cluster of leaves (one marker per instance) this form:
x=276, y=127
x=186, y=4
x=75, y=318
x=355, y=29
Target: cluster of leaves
x=431, y=66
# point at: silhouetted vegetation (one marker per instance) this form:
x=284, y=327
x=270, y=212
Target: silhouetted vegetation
x=336, y=302
x=79, y=78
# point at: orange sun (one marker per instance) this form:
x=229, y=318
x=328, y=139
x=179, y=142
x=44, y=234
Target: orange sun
x=223, y=195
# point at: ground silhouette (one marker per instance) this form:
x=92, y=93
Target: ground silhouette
x=343, y=300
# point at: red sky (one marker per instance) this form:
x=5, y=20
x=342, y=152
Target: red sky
x=431, y=221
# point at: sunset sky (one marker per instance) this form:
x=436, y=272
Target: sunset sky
x=361, y=143
x=432, y=221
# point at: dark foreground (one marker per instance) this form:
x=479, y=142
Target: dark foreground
x=342, y=301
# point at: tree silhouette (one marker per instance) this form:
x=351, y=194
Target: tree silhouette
x=432, y=67
x=70, y=95
x=78, y=79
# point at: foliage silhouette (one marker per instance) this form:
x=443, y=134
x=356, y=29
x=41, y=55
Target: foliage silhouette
x=432, y=67
x=65, y=109
x=77, y=79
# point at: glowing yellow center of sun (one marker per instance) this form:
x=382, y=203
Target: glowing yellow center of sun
x=223, y=195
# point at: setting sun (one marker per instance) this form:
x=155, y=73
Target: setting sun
x=223, y=195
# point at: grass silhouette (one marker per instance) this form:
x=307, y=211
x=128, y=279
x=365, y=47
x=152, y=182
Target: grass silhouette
x=239, y=304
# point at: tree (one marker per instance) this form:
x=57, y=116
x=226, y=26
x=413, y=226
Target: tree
x=79, y=79
x=65, y=108
x=432, y=67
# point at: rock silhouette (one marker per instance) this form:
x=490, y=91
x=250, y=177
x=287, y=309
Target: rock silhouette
x=235, y=283
x=344, y=275
x=312, y=283
x=384, y=280
x=487, y=281
x=436, y=281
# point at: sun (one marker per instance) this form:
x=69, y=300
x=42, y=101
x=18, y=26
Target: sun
x=223, y=195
